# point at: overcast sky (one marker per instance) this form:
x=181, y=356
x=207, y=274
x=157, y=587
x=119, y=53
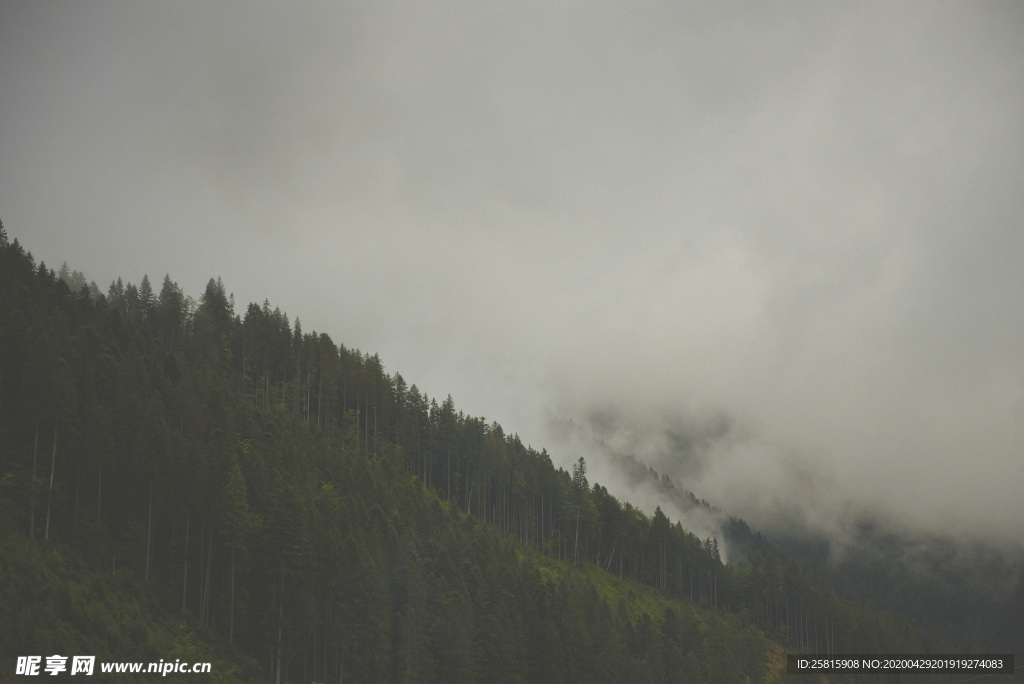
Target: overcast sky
x=774, y=250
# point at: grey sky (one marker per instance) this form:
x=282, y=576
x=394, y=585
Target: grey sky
x=787, y=238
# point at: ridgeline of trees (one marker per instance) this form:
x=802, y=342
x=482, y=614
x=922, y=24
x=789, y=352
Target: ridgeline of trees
x=323, y=520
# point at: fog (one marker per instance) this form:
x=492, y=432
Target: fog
x=772, y=252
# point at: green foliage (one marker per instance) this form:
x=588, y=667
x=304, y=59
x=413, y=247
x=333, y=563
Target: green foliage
x=54, y=603
x=302, y=513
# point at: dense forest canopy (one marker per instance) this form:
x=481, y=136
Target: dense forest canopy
x=304, y=515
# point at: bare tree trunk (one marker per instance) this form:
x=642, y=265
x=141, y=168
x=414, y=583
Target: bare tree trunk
x=32, y=488
x=202, y=556
x=149, y=528
x=541, y=530
x=408, y=651
x=49, y=495
x=184, y=581
x=78, y=489
x=231, y=622
x=206, y=583
x=320, y=397
x=99, y=496
x=280, y=619
x=576, y=543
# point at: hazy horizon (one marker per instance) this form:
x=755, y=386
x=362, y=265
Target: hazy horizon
x=773, y=252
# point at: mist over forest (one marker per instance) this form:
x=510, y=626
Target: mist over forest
x=801, y=221
x=755, y=265
x=326, y=527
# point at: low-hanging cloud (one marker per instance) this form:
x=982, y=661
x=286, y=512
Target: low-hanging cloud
x=772, y=251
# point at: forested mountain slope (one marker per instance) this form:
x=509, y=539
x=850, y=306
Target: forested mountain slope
x=285, y=507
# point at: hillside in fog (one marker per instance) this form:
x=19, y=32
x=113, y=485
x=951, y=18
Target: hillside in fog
x=371, y=283
x=263, y=498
